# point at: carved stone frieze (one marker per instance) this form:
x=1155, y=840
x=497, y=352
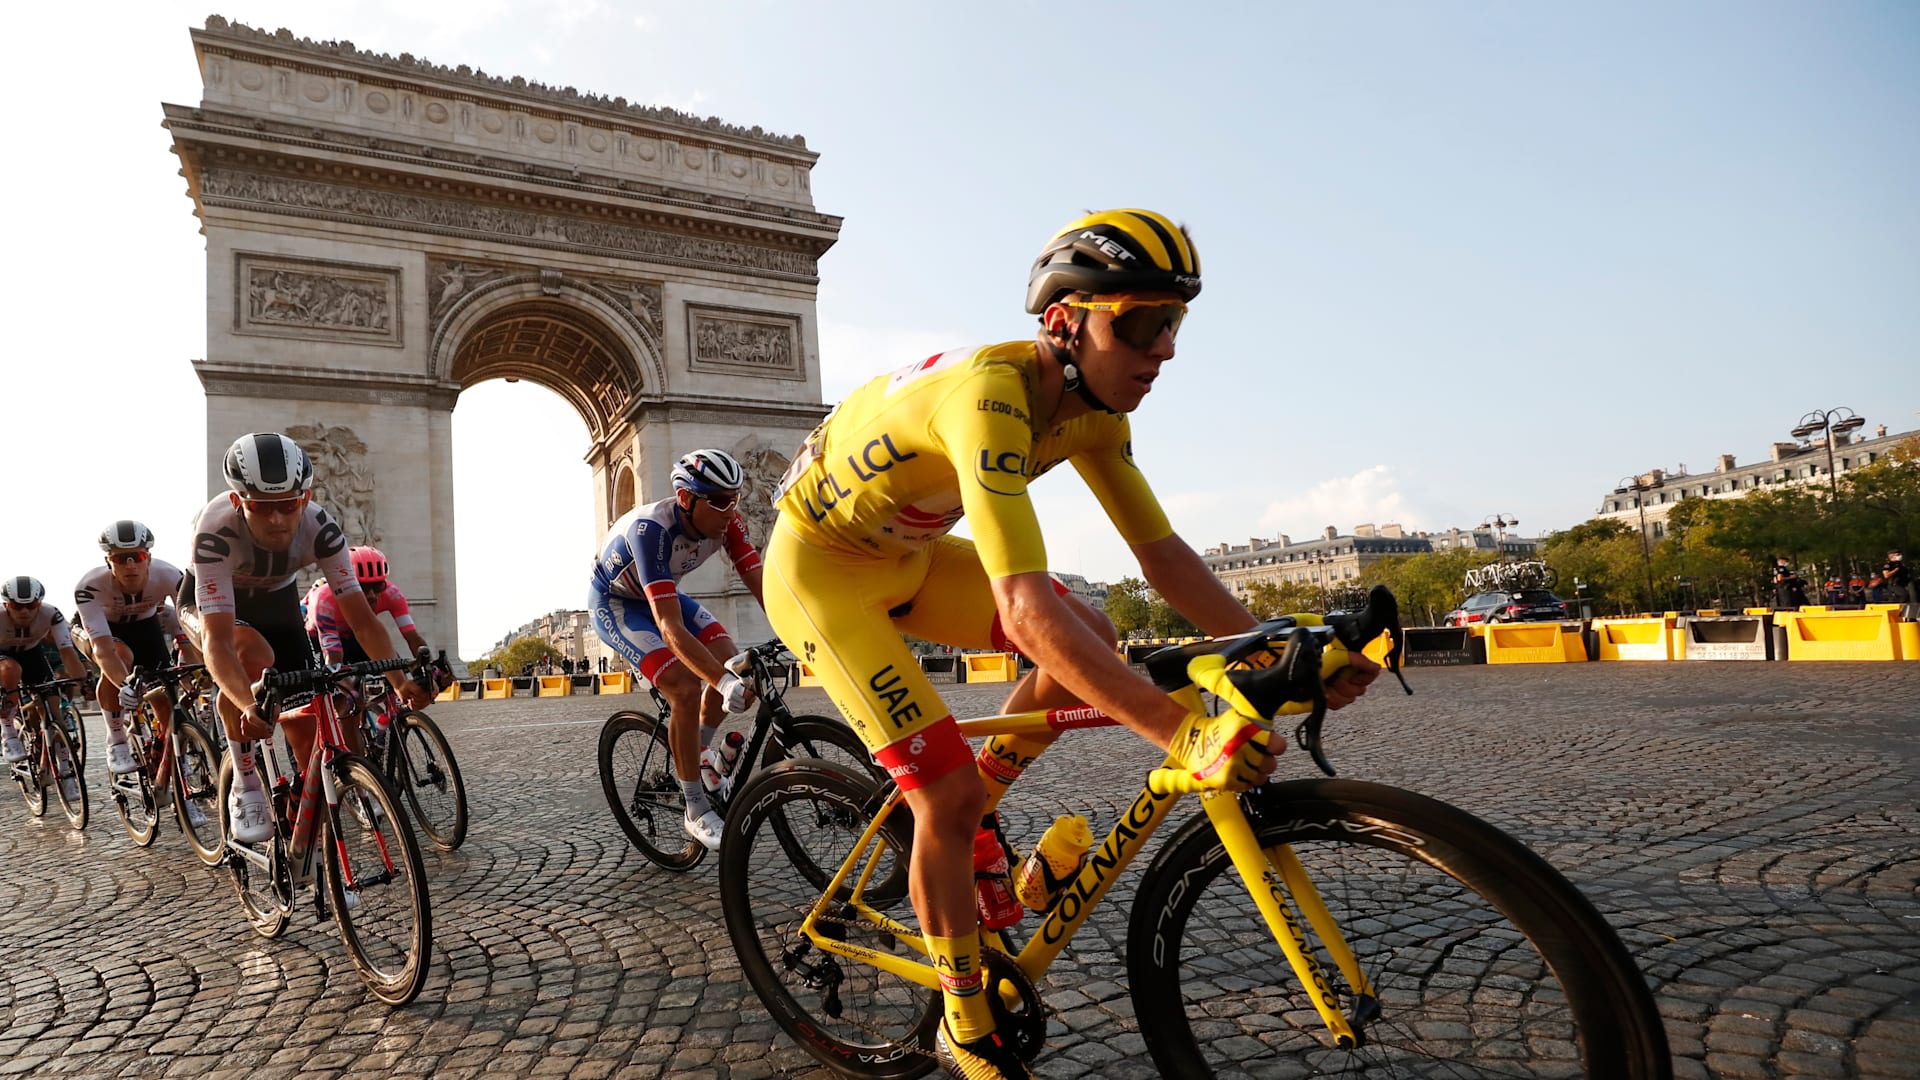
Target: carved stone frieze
x=449, y=279
x=306, y=298
x=343, y=480
x=641, y=298
x=764, y=466
x=246, y=189
x=761, y=343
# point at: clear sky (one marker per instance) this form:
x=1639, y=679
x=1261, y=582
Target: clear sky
x=1459, y=259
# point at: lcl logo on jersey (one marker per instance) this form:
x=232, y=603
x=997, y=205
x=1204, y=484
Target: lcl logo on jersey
x=996, y=471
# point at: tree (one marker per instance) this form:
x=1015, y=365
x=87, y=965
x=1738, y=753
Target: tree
x=1128, y=607
x=1270, y=599
x=516, y=655
x=1602, y=561
x=1165, y=622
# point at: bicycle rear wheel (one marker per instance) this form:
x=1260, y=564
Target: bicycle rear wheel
x=196, y=785
x=421, y=768
x=265, y=888
x=1485, y=960
x=377, y=883
x=134, y=797
x=636, y=773
x=68, y=782
x=33, y=784
x=850, y=1015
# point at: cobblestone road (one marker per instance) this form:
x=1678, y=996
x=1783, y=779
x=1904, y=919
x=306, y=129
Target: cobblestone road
x=1752, y=829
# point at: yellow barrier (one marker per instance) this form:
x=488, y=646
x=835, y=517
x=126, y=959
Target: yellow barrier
x=992, y=667
x=1841, y=635
x=1635, y=639
x=451, y=693
x=553, y=686
x=1910, y=641
x=1534, y=643
x=494, y=689
x=807, y=677
x=616, y=682
x=1756, y=611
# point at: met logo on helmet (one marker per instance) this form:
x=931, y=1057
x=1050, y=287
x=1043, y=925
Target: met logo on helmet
x=1106, y=245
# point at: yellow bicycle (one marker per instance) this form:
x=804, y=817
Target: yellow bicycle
x=1364, y=928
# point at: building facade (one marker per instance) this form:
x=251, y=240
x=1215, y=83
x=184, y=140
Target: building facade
x=1658, y=491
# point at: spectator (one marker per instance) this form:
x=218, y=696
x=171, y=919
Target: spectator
x=1899, y=579
x=1789, y=589
x=1876, y=590
x=603, y=665
x=1834, y=593
x=1857, y=591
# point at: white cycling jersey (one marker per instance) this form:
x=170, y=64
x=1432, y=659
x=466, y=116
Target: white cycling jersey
x=47, y=624
x=226, y=560
x=99, y=602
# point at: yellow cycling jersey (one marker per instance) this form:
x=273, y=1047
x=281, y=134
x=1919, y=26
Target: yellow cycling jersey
x=905, y=456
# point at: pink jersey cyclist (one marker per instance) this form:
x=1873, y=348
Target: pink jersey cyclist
x=335, y=638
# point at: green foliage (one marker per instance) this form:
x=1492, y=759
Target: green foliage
x=1427, y=585
x=1268, y=599
x=1165, y=622
x=517, y=654
x=1128, y=606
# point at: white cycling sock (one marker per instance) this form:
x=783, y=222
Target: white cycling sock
x=241, y=752
x=707, y=734
x=697, y=804
x=116, y=727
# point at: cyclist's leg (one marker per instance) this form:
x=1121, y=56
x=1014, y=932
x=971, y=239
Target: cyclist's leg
x=957, y=600
x=9, y=720
x=352, y=653
x=833, y=611
x=626, y=626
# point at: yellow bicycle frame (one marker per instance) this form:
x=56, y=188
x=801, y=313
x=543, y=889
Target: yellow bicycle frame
x=1017, y=739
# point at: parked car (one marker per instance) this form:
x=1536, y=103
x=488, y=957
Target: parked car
x=1523, y=605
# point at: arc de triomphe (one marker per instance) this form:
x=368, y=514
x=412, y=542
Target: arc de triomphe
x=383, y=232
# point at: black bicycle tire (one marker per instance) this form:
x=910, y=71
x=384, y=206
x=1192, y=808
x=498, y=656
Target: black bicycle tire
x=144, y=791
x=401, y=777
x=896, y=1059
x=810, y=728
x=651, y=728
x=1621, y=1034
x=351, y=772
x=190, y=731
x=78, y=742
x=268, y=922
x=57, y=739
x=33, y=786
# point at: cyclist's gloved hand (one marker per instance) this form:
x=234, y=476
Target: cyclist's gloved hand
x=129, y=697
x=736, y=692
x=1221, y=753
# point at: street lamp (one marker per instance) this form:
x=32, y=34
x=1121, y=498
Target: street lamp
x=1501, y=523
x=1835, y=421
x=1639, y=486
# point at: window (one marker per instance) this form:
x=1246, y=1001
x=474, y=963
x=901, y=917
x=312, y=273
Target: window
x=1659, y=528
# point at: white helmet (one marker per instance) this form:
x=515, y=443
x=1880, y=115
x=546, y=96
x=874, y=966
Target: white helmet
x=268, y=465
x=22, y=590
x=125, y=535
x=708, y=472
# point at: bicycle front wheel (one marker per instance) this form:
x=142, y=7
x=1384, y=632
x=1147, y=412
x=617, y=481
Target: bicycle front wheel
x=421, y=767
x=76, y=731
x=788, y=822
x=264, y=882
x=636, y=773
x=69, y=783
x=134, y=797
x=196, y=794
x=377, y=883
x=1484, y=960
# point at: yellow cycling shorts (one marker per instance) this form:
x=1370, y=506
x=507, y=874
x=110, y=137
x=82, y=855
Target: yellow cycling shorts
x=843, y=614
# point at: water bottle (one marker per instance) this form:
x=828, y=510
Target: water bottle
x=1053, y=862
x=730, y=752
x=994, y=896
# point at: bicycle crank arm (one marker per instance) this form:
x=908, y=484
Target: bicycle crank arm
x=247, y=855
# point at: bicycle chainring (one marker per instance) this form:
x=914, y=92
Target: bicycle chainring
x=1024, y=1025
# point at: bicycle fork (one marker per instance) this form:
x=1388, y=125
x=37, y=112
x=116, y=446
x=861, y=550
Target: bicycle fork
x=1283, y=884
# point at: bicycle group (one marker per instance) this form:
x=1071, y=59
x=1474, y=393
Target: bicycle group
x=869, y=883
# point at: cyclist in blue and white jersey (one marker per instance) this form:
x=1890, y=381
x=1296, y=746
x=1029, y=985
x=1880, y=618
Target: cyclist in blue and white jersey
x=665, y=635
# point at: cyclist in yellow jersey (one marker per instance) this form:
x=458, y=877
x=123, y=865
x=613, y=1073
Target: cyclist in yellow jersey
x=860, y=554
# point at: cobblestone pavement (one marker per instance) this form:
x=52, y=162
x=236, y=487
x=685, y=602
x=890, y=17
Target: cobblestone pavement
x=1751, y=829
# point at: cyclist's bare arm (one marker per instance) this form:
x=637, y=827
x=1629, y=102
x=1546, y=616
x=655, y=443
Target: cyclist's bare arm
x=377, y=645
x=752, y=579
x=1176, y=572
x=223, y=660
x=108, y=658
x=70, y=661
x=415, y=642
x=1039, y=621
x=666, y=616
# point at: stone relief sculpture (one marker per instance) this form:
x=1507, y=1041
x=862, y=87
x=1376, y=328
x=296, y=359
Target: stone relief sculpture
x=764, y=466
x=283, y=297
x=235, y=187
x=728, y=341
x=451, y=280
x=343, y=480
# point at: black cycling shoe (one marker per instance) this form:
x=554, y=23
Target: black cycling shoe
x=986, y=1058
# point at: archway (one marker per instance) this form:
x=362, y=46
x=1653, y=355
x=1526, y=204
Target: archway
x=383, y=233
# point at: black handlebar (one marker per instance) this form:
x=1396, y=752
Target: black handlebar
x=316, y=679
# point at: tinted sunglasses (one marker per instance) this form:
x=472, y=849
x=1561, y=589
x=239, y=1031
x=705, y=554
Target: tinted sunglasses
x=29, y=606
x=1139, y=322
x=128, y=558
x=722, y=505
x=275, y=506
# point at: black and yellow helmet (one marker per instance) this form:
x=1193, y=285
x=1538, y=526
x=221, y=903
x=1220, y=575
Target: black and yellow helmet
x=1115, y=251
